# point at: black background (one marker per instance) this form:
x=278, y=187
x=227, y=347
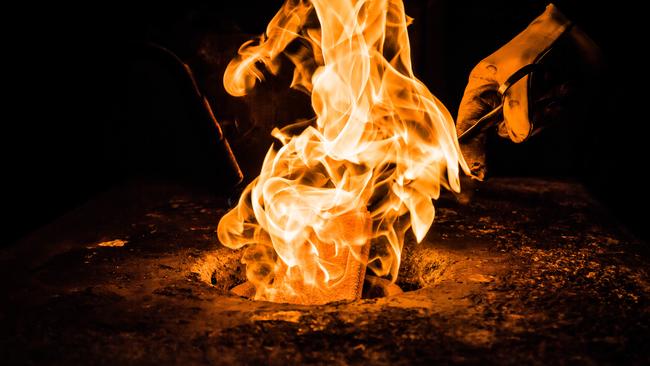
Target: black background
x=65, y=68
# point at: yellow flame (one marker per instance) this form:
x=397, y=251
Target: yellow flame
x=365, y=171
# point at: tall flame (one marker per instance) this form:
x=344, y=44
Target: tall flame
x=365, y=171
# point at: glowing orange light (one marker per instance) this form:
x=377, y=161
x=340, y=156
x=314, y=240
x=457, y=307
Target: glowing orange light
x=365, y=171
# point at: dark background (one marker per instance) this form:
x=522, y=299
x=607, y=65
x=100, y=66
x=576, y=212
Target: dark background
x=69, y=73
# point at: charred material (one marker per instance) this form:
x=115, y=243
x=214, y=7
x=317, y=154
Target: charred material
x=531, y=272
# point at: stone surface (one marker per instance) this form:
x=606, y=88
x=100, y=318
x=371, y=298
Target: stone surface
x=525, y=271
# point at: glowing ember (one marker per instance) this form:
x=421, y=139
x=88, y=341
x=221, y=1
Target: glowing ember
x=365, y=171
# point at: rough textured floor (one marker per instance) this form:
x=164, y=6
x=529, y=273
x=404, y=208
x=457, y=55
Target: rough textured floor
x=525, y=271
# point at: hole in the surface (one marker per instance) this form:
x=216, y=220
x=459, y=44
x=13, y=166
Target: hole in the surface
x=376, y=287
x=421, y=266
x=222, y=269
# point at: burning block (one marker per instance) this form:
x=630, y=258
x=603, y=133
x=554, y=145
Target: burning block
x=343, y=247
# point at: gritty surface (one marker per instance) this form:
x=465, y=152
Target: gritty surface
x=527, y=271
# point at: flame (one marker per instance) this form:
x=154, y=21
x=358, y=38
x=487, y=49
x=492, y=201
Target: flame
x=364, y=171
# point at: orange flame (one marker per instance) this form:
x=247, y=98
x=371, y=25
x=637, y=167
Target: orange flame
x=365, y=172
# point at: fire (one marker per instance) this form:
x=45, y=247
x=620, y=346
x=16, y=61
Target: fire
x=362, y=173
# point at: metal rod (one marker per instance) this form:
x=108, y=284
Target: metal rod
x=484, y=121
